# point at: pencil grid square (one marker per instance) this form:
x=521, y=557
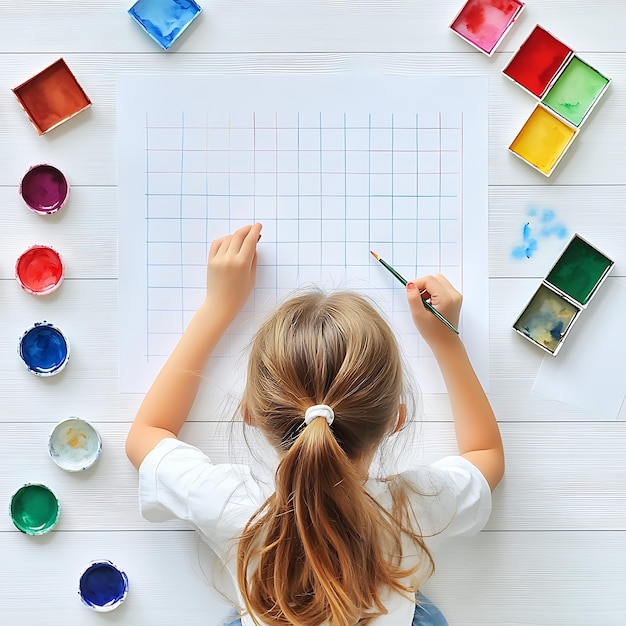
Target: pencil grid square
x=327, y=188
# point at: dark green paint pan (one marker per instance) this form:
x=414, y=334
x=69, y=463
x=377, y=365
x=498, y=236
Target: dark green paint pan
x=580, y=270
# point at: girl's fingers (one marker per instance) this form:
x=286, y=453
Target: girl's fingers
x=248, y=245
x=244, y=239
x=442, y=279
x=237, y=238
x=216, y=245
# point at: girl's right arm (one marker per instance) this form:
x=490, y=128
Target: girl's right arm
x=477, y=432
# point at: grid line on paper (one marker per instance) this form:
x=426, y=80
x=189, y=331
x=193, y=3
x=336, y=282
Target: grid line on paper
x=324, y=203
x=182, y=242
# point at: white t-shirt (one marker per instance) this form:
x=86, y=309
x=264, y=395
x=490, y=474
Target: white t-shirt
x=176, y=480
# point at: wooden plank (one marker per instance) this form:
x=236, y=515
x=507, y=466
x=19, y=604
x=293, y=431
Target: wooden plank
x=559, y=476
x=85, y=146
x=86, y=310
x=527, y=579
x=301, y=26
x=84, y=231
x=553, y=214
x=169, y=576
x=494, y=579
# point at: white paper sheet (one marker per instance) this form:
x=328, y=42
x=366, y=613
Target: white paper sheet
x=333, y=166
x=588, y=371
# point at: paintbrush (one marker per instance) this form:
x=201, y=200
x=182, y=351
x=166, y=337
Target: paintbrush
x=427, y=304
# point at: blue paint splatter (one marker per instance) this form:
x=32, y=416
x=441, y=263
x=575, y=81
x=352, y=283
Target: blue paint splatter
x=529, y=246
x=547, y=227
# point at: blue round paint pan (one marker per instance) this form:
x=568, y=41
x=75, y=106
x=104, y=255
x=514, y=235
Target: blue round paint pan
x=44, y=349
x=102, y=586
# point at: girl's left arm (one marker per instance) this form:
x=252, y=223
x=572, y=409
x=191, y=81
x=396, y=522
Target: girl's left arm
x=231, y=274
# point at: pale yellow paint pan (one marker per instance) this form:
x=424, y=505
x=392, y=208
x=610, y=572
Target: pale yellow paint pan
x=543, y=140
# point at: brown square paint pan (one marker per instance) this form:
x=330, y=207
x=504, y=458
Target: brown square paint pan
x=52, y=97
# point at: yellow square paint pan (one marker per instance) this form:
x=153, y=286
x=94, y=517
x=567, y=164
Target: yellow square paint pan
x=543, y=140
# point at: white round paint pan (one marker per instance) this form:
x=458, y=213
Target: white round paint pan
x=74, y=444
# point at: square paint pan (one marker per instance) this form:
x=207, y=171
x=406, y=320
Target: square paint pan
x=536, y=64
x=52, y=97
x=576, y=91
x=485, y=23
x=579, y=271
x=543, y=140
x=165, y=20
x=564, y=293
x=547, y=319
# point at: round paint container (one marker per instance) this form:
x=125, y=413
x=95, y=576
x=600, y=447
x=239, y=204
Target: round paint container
x=74, y=444
x=102, y=586
x=35, y=509
x=44, y=349
x=44, y=188
x=39, y=270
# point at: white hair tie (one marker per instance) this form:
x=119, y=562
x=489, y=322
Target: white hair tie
x=319, y=410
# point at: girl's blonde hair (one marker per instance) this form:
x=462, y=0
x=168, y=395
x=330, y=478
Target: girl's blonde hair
x=321, y=549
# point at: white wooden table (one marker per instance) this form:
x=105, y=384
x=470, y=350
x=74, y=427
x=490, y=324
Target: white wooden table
x=554, y=550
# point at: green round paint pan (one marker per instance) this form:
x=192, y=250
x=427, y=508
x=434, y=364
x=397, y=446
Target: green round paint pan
x=35, y=509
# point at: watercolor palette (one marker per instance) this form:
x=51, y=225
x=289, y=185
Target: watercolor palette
x=74, y=445
x=164, y=20
x=564, y=293
x=485, y=23
x=567, y=89
x=52, y=97
x=34, y=509
x=102, y=586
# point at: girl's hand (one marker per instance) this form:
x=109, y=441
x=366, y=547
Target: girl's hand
x=231, y=271
x=444, y=297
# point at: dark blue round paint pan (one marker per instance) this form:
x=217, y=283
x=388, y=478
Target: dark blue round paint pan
x=102, y=586
x=44, y=349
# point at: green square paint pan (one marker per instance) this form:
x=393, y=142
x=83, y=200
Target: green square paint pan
x=576, y=91
x=564, y=293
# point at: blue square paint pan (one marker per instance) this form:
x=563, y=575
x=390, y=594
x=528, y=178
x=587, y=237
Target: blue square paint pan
x=164, y=20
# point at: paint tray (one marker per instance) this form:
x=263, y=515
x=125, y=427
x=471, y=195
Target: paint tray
x=164, y=20
x=566, y=89
x=563, y=295
x=485, y=23
x=52, y=97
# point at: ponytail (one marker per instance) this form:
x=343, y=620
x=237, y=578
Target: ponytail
x=325, y=557
x=321, y=549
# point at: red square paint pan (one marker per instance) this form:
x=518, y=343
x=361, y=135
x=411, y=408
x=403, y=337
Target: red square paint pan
x=52, y=97
x=538, y=62
x=485, y=23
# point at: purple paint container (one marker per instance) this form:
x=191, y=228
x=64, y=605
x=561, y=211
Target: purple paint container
x=44, y=188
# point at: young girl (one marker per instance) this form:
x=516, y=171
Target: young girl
x=329, y=546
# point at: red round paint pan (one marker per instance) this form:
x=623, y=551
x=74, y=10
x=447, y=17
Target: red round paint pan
x=44, y=189
x=39, y=270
